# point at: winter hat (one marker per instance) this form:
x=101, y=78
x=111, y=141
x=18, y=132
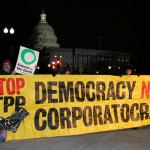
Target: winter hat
x=6, y=61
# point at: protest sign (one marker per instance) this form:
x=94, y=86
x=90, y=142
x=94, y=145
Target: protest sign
x=27, y=61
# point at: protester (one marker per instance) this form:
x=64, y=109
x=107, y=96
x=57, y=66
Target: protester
x=128, y=70
x=67, y=69
x=7, y=68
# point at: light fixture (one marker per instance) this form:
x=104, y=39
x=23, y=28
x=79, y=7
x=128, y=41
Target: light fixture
x=12, y=31
x=5, y=30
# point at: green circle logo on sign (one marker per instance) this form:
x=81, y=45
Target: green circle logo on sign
x=28, y=56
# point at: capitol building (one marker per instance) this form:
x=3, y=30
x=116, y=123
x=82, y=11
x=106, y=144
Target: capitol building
x=81, y=61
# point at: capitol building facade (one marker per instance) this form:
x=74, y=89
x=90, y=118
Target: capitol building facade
x=81, y=61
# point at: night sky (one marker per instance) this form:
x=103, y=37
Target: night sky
x=121, y=24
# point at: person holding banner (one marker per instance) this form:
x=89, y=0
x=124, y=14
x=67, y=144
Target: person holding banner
x=128, y=70
x=67, y=69
x=7, y=68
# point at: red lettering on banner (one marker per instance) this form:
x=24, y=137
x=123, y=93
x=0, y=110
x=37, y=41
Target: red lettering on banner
x=10, y=85
x=1, y=85
x=20, y=83
x=145, y=90
x=13, y=86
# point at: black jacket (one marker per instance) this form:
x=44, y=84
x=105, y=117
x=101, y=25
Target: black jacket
x=2, y=72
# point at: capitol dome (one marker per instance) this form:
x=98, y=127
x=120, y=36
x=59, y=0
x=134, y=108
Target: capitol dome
x=43, y=35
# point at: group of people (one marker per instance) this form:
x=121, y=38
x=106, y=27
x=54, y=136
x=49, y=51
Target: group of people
x=7, y=69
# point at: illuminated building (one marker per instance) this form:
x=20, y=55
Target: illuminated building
x=82, y=61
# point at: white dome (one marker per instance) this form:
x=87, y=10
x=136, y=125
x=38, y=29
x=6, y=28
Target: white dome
x=43, y=35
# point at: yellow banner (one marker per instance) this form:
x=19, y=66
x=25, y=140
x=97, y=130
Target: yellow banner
x=33, y=106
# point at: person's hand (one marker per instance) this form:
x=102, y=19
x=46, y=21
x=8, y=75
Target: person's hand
x=13, y=72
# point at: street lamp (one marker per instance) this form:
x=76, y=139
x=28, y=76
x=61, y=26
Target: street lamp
x=5, y=30
x=11, y=30
x=8, y=39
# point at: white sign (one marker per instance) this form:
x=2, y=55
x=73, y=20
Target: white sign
x=27, y=61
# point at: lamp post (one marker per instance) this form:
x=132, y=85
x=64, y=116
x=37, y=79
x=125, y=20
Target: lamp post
x=8, y=32
x=99, y=41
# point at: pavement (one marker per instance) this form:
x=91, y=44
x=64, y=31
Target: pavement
x=128, y=139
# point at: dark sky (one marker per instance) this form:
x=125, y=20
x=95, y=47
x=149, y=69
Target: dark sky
x=121, y=24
